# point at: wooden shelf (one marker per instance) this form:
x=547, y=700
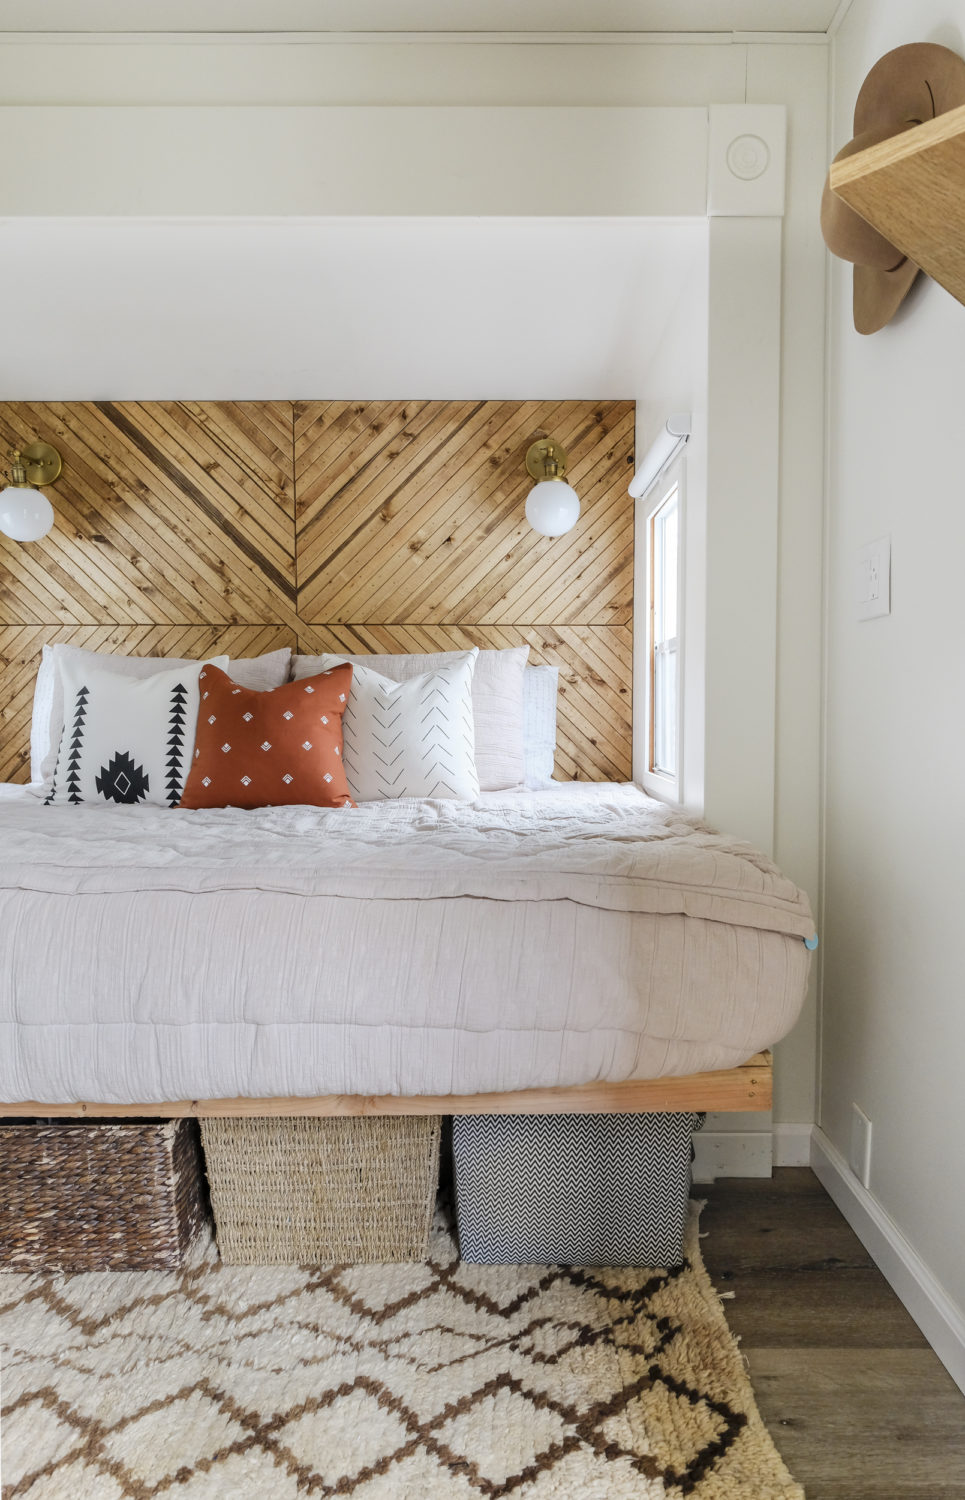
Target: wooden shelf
x=911, y=188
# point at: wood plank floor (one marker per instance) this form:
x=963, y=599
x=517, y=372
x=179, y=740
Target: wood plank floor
x=857, y=1403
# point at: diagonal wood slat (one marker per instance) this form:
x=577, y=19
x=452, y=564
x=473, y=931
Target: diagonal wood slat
x=183, y=527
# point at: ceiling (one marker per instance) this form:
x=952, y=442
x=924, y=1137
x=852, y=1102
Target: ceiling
x=503, y=16
x=279, y=309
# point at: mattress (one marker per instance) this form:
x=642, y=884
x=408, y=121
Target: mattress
x=578, y=934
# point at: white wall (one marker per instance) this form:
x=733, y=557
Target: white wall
x=894, y=949
x=252, y=73
x=677, y=382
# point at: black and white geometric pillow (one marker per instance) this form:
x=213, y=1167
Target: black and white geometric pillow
x=126, y=740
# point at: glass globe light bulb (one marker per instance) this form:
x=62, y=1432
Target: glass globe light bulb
x=25, y=514
x=552, y=507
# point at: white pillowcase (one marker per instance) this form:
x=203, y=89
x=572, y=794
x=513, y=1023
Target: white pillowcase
x=540, y=687
x=126, y=739
x=497, y=701
x=47, y=723
x=410, y=739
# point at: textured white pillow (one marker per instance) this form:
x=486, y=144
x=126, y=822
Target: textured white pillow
x=410, y=739
x=47, y=723
x=540, y=686
x=126, y=739
x=497, y=702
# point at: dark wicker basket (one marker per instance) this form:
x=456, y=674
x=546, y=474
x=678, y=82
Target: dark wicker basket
x=99, y=1197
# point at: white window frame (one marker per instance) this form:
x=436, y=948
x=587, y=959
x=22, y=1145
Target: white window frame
x=657, y=783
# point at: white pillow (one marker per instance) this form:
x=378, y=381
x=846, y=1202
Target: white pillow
x=47, y=723
x=540, y=685
x=126, y=739
x=497, y=702
x=410, y=739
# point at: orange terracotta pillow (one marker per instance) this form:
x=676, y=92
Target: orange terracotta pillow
x=269, y=749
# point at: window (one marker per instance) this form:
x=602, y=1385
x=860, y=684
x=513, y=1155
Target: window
x=663, y=639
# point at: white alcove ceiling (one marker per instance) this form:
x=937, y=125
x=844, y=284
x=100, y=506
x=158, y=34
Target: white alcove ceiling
x=394, y=308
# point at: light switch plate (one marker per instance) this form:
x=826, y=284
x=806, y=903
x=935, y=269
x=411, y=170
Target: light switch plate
x=873, y=581
x=859, y=1157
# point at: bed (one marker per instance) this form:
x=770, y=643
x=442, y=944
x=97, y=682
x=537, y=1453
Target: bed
x=576, y=949
x=580, y=947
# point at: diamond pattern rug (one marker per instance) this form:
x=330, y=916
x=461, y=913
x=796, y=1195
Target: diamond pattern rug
x=441, y=1381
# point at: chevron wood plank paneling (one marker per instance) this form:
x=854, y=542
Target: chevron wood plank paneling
x=412, y=537
x=20, y=648
x=182, y=526
x=167, y=512
x=426, y=523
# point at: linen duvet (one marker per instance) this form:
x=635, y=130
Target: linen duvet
x=526, y=939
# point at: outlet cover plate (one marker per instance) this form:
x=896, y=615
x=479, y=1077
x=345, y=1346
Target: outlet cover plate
x=859, y=1157
x=873, y=579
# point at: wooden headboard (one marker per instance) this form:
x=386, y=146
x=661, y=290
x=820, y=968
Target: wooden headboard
x=328, y=525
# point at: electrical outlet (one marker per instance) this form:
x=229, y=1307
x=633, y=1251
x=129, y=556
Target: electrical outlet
x=873, y=586
x=859, y=1157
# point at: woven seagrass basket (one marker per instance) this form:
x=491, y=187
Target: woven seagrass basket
x=99, y=1197
x=293, y=1191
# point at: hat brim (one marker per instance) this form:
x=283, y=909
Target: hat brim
x=915, y=82
x=879, y=294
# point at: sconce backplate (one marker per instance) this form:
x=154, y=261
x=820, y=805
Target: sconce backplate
x=541, y=455
x=41, y=463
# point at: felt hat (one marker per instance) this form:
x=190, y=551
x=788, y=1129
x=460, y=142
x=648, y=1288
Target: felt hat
x=904, y=88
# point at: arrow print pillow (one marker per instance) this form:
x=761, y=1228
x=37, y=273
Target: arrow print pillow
x=126, y=740
x=413, y=738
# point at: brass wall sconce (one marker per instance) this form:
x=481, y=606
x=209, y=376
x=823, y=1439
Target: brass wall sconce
x=25, y=514
x=552, y=507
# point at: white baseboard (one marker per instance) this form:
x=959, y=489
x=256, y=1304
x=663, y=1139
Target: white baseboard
x=938, y=1317
x=731, y=1153
x=792, y=1145
x=750, y=1153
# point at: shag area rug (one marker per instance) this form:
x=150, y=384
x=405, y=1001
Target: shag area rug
x=441, y=1381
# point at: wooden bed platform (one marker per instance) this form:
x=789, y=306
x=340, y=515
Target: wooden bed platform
x=748, y=1087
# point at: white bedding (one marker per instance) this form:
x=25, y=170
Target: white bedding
x=527, y=939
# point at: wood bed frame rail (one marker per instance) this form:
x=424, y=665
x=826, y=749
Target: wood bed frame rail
x=748, y=1087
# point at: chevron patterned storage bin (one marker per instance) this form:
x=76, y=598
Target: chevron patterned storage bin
x=572, y=1189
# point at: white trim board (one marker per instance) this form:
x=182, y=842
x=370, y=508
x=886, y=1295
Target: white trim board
x=792, y=1145
x=417, y=38
x=939, y=1318
x=120, y=160
x=750, y=1153
x=732, y=1153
